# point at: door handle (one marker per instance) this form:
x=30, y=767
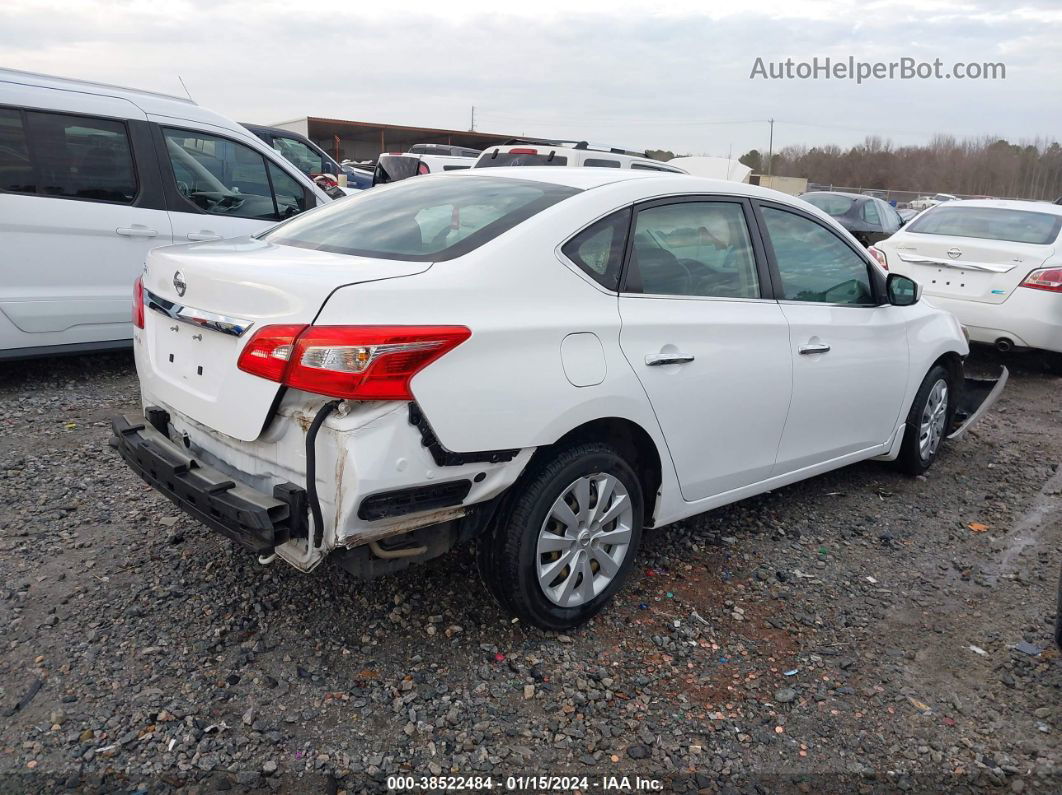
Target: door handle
x=658, y=359
x=814, y=347
x=136, y=230
x=203, y=236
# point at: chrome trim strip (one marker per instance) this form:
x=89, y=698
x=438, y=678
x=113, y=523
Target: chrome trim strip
x=993, y=396
x=915, y=259
x=225, y=324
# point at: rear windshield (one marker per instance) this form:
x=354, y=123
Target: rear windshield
x=426, y=219
x=989, y=223
x=829, y=204
x=516, y=159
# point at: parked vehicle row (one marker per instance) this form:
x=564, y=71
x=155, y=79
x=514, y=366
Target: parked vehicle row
x=92, y=177
x=536, y=152
x=548, y=360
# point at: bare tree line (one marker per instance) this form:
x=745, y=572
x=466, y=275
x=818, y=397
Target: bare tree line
x=974, y=166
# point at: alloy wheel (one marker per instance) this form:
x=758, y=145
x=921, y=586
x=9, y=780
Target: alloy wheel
x=584, y=539
x=934, y=419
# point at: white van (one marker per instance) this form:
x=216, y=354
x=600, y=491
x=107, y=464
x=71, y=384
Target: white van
x=94, y=176
x=536, y=152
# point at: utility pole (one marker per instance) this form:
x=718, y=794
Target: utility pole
x=770, y=149
x=472, y=124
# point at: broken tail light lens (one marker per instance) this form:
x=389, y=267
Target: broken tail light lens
x=352, y=362
x=879, y=255
x=138, y=302
x=1049, y=279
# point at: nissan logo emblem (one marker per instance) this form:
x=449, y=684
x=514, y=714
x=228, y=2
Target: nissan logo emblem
x=179, y=283
x=954, y=253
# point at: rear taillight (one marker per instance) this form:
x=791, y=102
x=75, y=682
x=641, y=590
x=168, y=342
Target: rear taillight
x=1049, y=279
x=879, y=255
x=422, y=168
x=268, y=352
x=353, y=362
x=138, y=302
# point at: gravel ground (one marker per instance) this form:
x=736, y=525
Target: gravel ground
x=856, y=631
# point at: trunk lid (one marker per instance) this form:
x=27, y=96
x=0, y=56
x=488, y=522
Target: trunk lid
x=967, y=268
x=232, y=289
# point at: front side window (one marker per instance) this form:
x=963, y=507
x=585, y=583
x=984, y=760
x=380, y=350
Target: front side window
x=598, y=249
x=16, y=168
x=223, y=177
x=989, y=223
x=300, y=155
x=74, y=157
x=694, y=249
x=815, y=264
x=422, y=220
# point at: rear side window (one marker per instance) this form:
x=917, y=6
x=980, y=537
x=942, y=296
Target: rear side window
x=519, y=159
x=601, y=162
x=598, y=249
x=696, y=248
x=73, y=157
x=223, y=177
x=423, y=220
x=870, y=213
x=989, y=223
x=829, y=204
x=16, y=169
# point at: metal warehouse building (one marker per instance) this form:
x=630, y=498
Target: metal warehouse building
x=362, y=140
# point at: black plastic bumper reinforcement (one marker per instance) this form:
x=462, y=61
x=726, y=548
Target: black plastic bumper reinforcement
x=448, y=458
x=255, y=520
x=399, y=502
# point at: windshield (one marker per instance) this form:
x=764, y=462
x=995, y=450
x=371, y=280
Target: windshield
x=989, y=223
x=520, y=159
x=430, y=219
x=829, y=203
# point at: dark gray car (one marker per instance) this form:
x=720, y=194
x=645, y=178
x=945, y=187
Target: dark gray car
x=868, y=218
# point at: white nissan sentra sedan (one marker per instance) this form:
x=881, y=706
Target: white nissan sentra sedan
x=995, y=264
x=548, y=360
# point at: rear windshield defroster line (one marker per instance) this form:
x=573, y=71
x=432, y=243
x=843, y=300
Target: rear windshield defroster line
x=423, y=219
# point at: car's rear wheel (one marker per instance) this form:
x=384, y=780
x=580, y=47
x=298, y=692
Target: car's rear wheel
x=928, y=422
x=568, y=538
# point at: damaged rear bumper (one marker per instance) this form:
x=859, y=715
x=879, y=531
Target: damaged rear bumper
x=257, y=521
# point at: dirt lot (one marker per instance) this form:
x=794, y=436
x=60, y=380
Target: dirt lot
x=856, y=631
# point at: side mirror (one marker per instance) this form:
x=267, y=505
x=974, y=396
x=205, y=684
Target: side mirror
x=902, y=291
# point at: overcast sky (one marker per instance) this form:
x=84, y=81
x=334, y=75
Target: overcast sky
x=611, y=72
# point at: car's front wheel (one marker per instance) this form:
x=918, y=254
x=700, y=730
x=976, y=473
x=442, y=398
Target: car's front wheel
x=568, y=538
x=927, y=422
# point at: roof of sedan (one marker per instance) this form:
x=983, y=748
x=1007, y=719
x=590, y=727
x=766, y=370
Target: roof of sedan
x=585, y=178
x=836, y=193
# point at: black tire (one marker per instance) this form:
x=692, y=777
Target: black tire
x=507, y=553
x=912, y=460
x=1053, y=362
